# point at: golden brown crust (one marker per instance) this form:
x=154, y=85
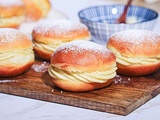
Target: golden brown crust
x=71, y=35
x=11, y=10
x=137, y=70
x=75, y=58
x=135, y=43
x=11, y=39
x=12, y=13
x=137, y=52
x=36, y=9
x=78, y=86
x=16, y=26
x=10, y=70
x=74, y=65
x=44, y=54
x=50, y=31
x=52, y=34
x=16, y=52
x=82, y=62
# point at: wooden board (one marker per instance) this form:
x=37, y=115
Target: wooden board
x=122, y=97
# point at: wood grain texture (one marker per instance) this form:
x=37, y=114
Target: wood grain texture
x=122, y=97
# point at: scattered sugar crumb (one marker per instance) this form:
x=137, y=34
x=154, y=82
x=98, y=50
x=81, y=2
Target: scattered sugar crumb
x=52, y=90
x=119, y=80
x=41, y=68
x=6, y=81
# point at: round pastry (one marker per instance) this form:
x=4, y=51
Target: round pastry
x=36, y=9
x=137, y=52
x=12, y=13
x=50, y=34
x=16, y=52
x=81, y=66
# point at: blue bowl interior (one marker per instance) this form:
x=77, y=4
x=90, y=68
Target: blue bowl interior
x=110, y=13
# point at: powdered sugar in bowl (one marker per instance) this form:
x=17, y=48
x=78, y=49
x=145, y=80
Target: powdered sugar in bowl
x=101, y=20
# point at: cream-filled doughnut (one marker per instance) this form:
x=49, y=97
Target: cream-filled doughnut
x=137, y=51
x=36, y=9
x=80, y=66
x=16, y=52
x=12, y=13
x=50, y=34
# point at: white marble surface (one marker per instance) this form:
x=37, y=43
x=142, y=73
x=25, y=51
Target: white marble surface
x=20, y=108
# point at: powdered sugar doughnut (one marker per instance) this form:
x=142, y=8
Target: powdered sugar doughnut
x=82, y=66
x=16, y=52
x=50, y=34
x=12, y=13
x=137, y=51
x=36, y=9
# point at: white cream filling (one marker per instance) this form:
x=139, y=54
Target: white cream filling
x=12, y=20
x=16, y=57
x=52, y=46
x=136, y=61
x=48, y=47
x=98, y=76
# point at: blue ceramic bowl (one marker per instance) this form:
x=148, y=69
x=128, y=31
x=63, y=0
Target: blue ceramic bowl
x=101, y=20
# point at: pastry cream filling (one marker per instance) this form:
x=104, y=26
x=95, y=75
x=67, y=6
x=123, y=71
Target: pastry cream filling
x=98, y=76
x=136, y=61
x=16, y=57
x=48, y=47
x=12, y=20
x=52, y=46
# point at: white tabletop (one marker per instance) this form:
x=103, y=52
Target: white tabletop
x=20, y=108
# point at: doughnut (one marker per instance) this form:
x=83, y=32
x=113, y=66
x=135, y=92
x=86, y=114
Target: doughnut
x=80, y=66
x=36, y=9
x=12, y=13
x=50, y=34
x=137, y=51
x=16, y=52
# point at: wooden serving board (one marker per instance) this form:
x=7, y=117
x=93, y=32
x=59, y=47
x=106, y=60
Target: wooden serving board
x=122, y=97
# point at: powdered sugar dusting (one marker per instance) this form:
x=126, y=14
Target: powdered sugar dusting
x=122, y=80
x=136, y=36
x=41, y=68
x=80, y=45
x=7, y=3
x=6, y=81
x=58, y=27
x=10, y=35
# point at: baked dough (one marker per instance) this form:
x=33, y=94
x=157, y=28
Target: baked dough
x=80, y=66
x=16, y=52
x=48, y=35
x=137, y=52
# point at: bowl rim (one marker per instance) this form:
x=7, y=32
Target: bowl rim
x=98, y=6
